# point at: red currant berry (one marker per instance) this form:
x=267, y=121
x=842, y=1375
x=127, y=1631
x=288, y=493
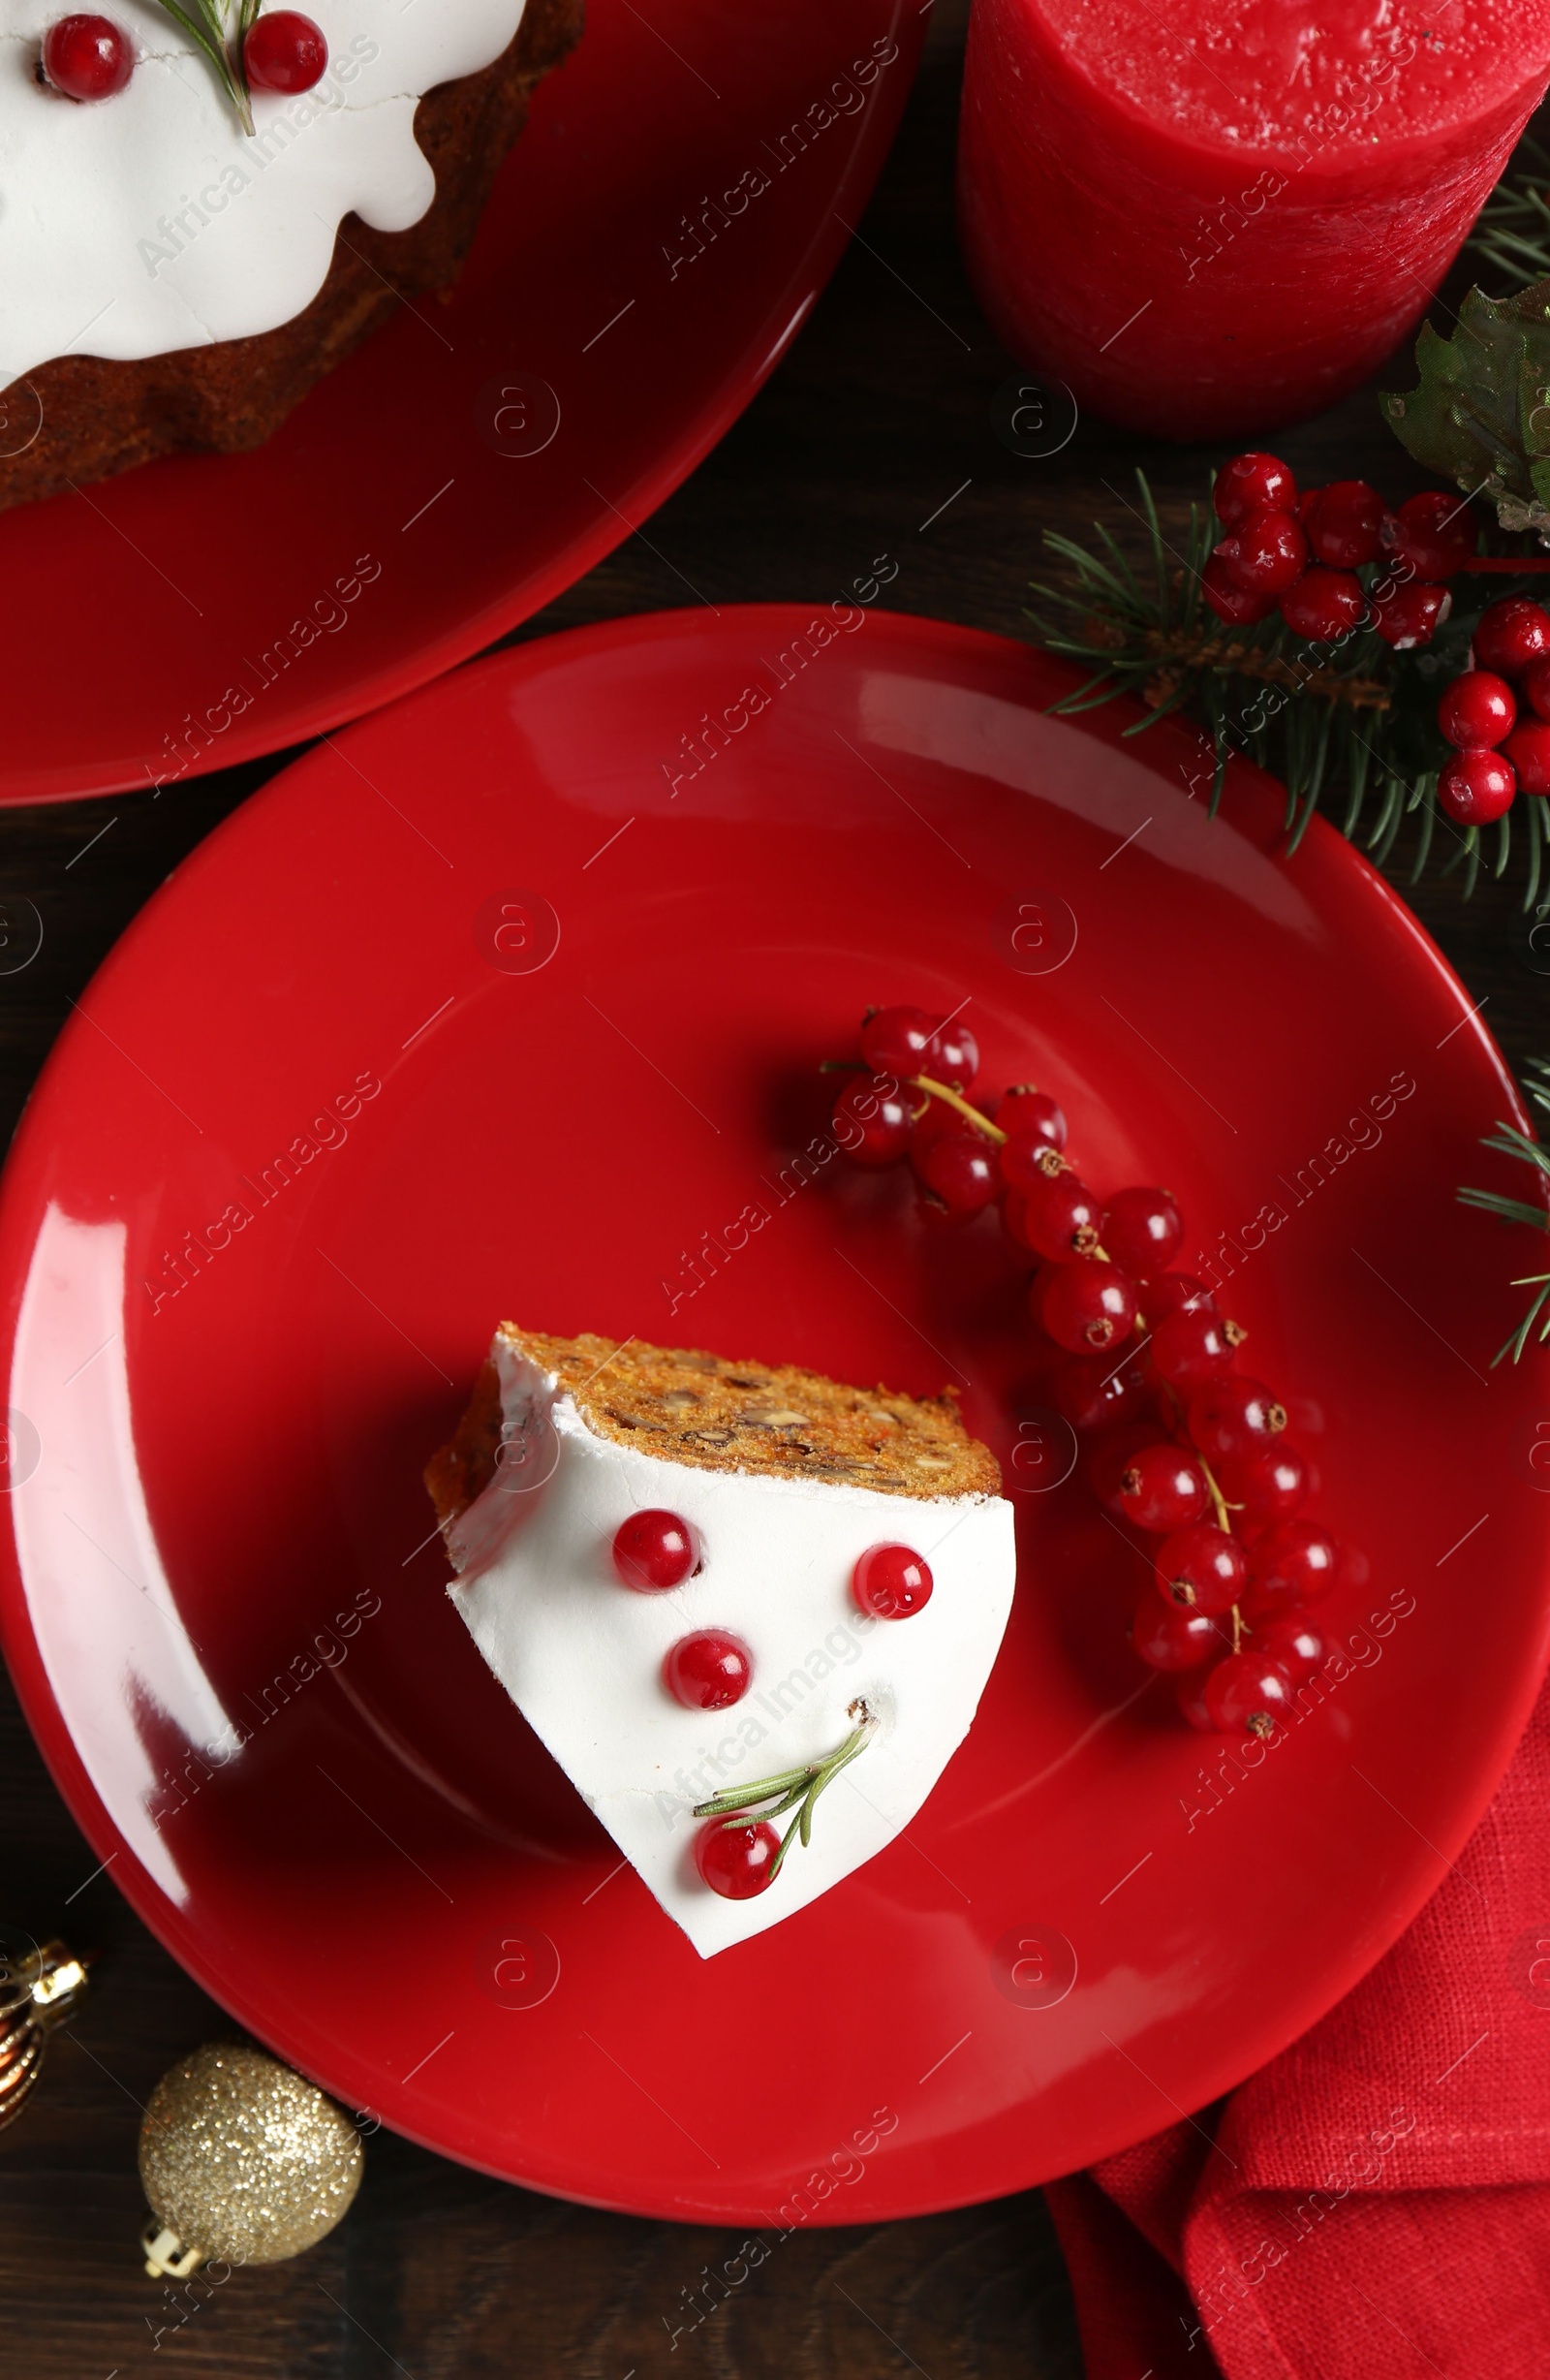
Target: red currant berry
x=895, y=1041
x=1528, y=748
x=1193, y=1346
x=1434, y=533
x=1142, y=1229
x=1475, y=787
x=1292, y=1642
x=1268, y=1486
x=1230, y=602
x=1294, y=1563
x=872, y=1128
x=1536, y=687
x=1265, y=552
x=1201, y=1567
x=1323, y=603
x=1060, y=1216
x=1014, y=1219
x=1027, y=1113
x=285, y=51
x=736, y=1861
x=952, y=1056
x=1172, y=1293
x=1511, y=634
x=655, y=1550
x=1234, y=1419
x=1344, y=524
x=1109, y=1460
x=1409, y=616
x=1477, y=709
x=934, y=1121
x=1025, y=1156
x=892, y=1582
x=1248, y=1694
x=1162, y=1489
x=1167, y=1638
x=961, y=1168
x=87, y=57
x=1085, y=1306
x=708, y=1670
x=1095, y=1392
x=1191, y=1696
x=1253, y=484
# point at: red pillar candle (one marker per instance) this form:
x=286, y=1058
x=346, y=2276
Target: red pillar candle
x=1220, y=216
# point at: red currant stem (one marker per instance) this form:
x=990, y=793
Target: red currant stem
x=941, y=1090
x=1218, y=1502
x=793, y=1789
x=1237, y=1627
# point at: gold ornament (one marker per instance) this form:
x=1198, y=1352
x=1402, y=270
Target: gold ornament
x=40, y=1988
x=242, y=2161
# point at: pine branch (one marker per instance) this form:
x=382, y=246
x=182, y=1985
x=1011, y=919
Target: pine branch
x=1349, y=726
x=1512, y=230
x=1508, y=1142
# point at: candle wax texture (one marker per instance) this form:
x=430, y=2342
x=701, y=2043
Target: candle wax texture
x=1220, y=219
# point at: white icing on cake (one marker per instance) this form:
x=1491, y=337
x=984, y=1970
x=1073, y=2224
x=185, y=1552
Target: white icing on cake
x=581, y=1655
x=149, y=222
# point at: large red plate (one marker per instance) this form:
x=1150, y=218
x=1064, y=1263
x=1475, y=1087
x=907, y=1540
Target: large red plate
x=221, y=1469
x=480, y=456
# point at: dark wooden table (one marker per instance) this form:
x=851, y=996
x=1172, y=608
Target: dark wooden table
x=876, y=435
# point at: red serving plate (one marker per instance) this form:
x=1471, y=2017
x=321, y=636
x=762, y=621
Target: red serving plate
x=564, y=992
x=479, y=457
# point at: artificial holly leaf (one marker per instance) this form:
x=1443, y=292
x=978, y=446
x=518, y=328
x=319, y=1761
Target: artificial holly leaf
x=1480, y=416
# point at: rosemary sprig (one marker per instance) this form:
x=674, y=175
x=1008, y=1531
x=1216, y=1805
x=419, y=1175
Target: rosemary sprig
x=204, y=21
x=1508, y=1142
x=794, y=1788
x=1350, y=725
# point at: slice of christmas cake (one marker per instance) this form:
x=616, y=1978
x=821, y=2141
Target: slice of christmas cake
x=720, y=1590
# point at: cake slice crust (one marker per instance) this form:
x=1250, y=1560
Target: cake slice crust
x=718, y=1413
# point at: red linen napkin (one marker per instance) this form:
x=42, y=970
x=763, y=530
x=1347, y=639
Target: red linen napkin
x=1375, y=2204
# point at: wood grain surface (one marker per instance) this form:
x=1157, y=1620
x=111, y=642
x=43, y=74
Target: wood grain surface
x=876, y=435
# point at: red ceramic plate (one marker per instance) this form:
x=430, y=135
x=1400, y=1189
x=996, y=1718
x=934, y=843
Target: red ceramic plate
x=479, y=456
x=510, y=1005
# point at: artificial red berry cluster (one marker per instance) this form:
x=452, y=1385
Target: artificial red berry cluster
x=1497, y=715
x=1299, y=555
x=1180, y=1443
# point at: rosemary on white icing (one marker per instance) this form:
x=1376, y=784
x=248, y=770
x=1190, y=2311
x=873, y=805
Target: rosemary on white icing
x=220, y=29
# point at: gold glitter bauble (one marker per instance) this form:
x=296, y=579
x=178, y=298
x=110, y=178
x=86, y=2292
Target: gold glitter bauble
x=243, y=2160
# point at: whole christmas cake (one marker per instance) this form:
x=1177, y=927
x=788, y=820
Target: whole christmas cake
x=721, y=1590
x=205, y=207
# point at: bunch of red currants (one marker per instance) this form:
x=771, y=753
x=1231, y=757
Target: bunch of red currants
x=1299, y=555
x=1497, y=715
x=1181, y=1443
